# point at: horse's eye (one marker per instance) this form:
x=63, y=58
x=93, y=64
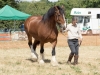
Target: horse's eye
x=59, y=15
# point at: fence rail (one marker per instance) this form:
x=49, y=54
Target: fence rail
x=5, y=37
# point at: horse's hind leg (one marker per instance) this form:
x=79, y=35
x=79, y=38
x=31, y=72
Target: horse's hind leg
x=33, y=53
x=36, y=42
x=41, y=61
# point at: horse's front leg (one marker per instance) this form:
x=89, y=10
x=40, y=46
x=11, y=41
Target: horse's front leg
x=33, y=49
x=53, y=60
x=41, y=60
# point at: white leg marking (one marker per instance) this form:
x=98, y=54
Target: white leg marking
x=41, y=58
x=33, y=53
x=54, y=58
x=53, y=61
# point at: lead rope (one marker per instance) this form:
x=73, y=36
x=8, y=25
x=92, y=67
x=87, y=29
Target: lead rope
x=63, y=34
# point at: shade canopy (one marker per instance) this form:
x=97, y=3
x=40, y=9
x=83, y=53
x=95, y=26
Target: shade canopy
x=9, y=13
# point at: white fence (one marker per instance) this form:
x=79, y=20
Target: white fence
x=18, y=35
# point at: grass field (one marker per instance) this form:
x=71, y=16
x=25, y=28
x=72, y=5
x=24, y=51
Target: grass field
x=16, y=61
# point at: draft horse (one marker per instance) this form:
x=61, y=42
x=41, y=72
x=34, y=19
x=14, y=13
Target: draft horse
x=43, y=29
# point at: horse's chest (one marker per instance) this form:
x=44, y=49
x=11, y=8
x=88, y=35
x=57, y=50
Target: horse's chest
x=52, y=36
x=47, y=34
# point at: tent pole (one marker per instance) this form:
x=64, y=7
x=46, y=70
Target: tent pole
x=14, y=25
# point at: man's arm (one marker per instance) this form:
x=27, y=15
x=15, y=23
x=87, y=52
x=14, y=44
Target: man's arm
x=80, y=36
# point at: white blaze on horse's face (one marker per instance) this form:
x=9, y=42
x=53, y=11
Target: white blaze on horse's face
x=63, y=24
x=65, y=21
x=62, y=21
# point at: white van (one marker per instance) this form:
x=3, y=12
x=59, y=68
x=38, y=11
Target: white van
x=88, y=19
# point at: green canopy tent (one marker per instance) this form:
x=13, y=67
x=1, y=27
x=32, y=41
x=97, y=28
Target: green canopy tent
x=9, y=13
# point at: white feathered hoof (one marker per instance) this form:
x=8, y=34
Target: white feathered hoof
x=54, y=63
x=41, y=62
x=34, y=57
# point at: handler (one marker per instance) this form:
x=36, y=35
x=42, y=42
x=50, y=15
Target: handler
x=74, y=40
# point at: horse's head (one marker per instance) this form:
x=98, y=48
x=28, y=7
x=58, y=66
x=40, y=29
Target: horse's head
x=56, y=14
x=59, y=17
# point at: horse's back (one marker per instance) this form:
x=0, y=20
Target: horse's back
x=32, y=22
x=32, y=19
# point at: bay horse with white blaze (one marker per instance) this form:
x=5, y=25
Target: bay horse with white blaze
x=43, y=30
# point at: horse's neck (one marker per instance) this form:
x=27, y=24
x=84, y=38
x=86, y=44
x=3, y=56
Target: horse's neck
x=51, y=23
x=51, y=28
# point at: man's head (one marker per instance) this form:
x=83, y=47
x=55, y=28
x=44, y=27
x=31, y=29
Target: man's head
x=74, y=20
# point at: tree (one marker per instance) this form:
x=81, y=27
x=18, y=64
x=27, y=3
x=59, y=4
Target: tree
x=8, y=2
x=91, y=3
x=41, y=7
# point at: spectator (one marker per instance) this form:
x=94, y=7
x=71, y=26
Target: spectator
x=22, y=27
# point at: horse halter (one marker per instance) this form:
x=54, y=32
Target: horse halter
x=60, y=19
x=58, y=15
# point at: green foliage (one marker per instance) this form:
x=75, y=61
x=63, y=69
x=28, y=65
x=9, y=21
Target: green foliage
x=7, y=24
x=41, y=7
x=34, y=8
x=11, y=25
x=8, y=2
x=91, y=3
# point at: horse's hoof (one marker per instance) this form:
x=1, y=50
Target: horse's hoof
x=34, y=59
x=41, y=62
x=54, y=63
x=68, y=62
x=34, y=55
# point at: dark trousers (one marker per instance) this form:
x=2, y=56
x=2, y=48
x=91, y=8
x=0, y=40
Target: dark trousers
x=74, y=46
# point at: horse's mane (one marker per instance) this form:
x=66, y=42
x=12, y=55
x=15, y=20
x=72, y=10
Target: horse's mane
x=51, y=12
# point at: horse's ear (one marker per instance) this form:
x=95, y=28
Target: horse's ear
x=62, y=7
x=56, y=8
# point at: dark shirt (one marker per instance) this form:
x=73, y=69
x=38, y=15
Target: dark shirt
x=22, y=27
